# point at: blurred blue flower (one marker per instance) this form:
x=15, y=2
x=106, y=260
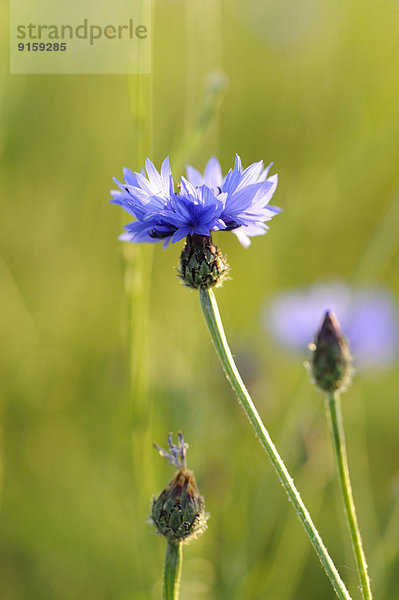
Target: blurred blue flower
x=204, y=203
x=369, y=319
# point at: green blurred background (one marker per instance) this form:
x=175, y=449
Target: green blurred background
x=103, y=351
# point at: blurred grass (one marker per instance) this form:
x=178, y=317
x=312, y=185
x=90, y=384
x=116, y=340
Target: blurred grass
x=314, y=89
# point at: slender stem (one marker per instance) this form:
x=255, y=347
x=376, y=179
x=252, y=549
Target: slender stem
x=172, y=571
x=213, y=320
x=338, y=436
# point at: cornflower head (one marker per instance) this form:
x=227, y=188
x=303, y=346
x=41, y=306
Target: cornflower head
x=200, y=204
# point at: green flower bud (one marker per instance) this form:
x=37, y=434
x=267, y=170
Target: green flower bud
x=202, y=264
x=179, y=511
x=331, y=361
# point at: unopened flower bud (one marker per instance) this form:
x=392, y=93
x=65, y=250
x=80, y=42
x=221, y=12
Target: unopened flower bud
x=331, y=360
x=179, y=511
x=202, y=264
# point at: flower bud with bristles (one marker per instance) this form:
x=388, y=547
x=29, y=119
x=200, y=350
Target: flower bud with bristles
x=202, y=264
x=331, y=361
x=179, y=511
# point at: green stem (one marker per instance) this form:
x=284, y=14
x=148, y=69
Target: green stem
x=338, y=435
x=172, y=571
x=213, y=320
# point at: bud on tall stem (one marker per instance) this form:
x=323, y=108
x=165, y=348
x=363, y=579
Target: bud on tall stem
x=332, y=373
x=178, y=514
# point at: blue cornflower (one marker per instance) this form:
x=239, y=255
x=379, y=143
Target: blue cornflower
x=202, y=204
x=369, y=319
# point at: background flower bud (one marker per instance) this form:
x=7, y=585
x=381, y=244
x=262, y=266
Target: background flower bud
x=331, y=361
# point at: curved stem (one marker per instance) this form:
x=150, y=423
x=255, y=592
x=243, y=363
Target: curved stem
x=172, y=571
x=213, y=320
x=338, y=436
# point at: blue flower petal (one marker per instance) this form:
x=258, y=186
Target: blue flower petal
x=213, y=174
x=194, y=176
